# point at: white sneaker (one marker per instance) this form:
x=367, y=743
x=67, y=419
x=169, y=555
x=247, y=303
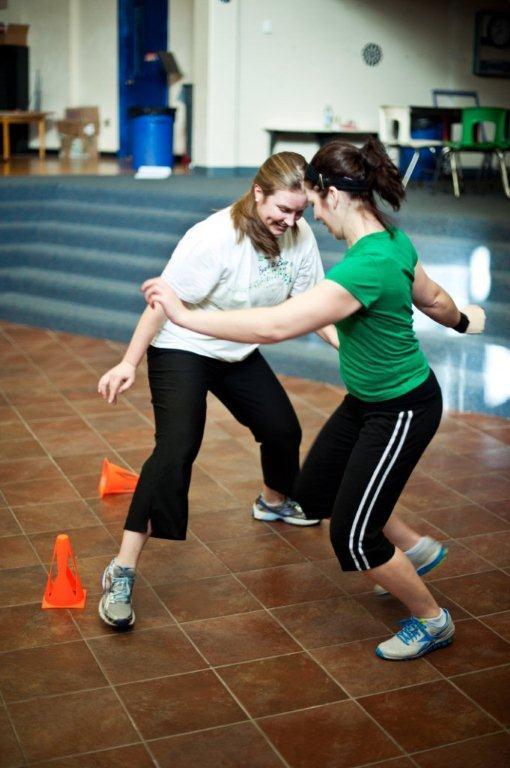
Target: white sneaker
x=416, y=638
x=431, y=553
x=115, y=607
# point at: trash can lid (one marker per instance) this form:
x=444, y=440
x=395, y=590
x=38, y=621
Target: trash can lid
x=139, y=111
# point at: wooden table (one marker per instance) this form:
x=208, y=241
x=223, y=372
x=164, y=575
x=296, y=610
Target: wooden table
x=320, y=135
x=19, y=117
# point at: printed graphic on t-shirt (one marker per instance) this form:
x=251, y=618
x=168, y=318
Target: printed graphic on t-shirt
x=268, y=271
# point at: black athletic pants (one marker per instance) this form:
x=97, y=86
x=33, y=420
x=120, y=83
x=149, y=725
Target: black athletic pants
x=179, y=383
x=359, y=465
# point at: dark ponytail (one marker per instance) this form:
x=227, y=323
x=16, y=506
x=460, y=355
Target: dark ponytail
x=370, y=168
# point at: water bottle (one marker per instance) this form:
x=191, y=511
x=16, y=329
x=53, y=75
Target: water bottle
x=327, y=117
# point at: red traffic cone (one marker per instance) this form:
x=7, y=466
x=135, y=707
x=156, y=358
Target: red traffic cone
x=64, y=590
x=115, y=479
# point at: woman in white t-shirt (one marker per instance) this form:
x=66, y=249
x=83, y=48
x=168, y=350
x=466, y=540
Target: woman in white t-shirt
x=258, y=252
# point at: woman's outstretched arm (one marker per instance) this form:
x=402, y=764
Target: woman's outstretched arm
x=323, y=304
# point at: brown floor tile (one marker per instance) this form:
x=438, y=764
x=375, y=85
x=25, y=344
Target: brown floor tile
x=86, y=485
x=129, y=656
x=8, y=524
x=112, y=508
x=16, y=552
x=465, y=520
x=55, y=410
x=148, y=609
x=398, y=762
x=10, y=753
x=399, y=712
x=313, y=542
x=135, y=756
x=22, y=585
x=490, y=689
x=91, y=541
x=39, y=491
x=481, y=489
x=252, y=553
x=172, y=705
x=287, y=584
x=500, y=623
x=442, y=465
x=327, y=622
x=171, y=561
x=357, y=669
x=494, y=460
x=246, y=636
x=494, y=547
x=281, y=684
x=352, y=582
x=37, y=518
x=84, y=464
x=208, y=496
x=479, y=593
x=77, y=722
x=235, y=746
x=27, y=626
x=206, y=598
x=50, y=670
x=475, y=647
x=484, y=752
x=14, y=430
x=20, y=449
x=428, y=495
x=338, y=735
x=389, y=610
x=460, y=560
x=500, y=508
x=36, y=468
x=468, y=441
x=215, y=526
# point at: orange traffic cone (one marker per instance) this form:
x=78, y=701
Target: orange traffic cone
x=116, y=479
x=65, y=590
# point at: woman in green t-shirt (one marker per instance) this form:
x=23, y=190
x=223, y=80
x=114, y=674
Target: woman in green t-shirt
x=365, y=453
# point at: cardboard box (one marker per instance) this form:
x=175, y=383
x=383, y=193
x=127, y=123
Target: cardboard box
x=13, y=34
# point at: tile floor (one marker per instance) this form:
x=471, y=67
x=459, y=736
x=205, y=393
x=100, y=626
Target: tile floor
x=251, y=648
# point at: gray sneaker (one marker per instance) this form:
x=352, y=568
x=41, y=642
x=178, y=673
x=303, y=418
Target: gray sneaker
x=431, y=554
x=416, y=638
x=115, y=607
x=289, y=511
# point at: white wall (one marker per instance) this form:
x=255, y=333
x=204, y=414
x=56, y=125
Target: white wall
x=73, y=43
x=245, y=80
x=180, y=37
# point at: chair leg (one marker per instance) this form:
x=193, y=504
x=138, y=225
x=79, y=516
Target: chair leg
x=504, y=172
x=455, y=175
x=410, y=168
x=441, y=153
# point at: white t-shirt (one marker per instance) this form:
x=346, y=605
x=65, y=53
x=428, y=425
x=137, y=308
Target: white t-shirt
x=210, y=270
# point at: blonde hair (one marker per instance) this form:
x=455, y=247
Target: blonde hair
x=283, y=171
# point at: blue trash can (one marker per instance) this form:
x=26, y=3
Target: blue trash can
x=152, y=135
x=422, y=128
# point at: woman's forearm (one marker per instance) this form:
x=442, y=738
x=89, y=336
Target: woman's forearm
x=148, y=325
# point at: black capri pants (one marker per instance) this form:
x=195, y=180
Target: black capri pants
x=359, y=465
x=179, y=383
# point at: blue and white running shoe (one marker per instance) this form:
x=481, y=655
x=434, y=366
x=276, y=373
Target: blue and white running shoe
x=416, y=638
x=430, y=554
x=289, y=511
x=115, y=607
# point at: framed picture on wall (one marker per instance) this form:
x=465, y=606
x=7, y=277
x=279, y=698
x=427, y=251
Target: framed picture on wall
x=492, y=44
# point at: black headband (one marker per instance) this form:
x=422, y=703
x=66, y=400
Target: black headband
x=345, y=183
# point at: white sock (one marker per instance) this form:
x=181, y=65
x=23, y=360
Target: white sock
x=271, y=503
x=415, y=550
x=439, y=620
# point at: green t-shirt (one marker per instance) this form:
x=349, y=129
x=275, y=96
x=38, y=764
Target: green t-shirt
x=380, y=357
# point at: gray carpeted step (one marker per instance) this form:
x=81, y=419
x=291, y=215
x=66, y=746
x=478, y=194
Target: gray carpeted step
x=105, y=238
x=82, y=289
x=86, y=261
x=67, y=316
x=76, y=212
